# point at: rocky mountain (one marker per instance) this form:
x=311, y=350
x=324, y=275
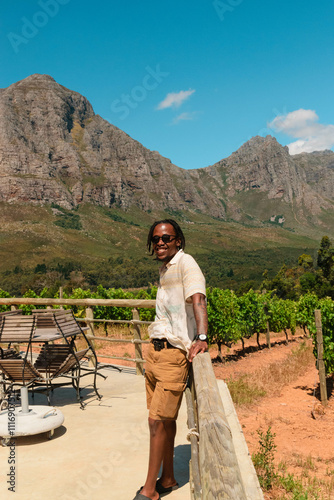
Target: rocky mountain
x=55, y=149
x=263, y=170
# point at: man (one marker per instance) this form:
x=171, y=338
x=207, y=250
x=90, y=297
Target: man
x=178, y=333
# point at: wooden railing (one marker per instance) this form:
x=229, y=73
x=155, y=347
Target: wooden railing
x=214, y=469
x=89, y=319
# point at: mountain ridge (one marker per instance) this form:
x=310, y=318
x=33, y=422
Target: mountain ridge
x=55, y=149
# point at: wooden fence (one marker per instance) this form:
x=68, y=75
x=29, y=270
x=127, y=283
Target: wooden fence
x=89, y=319
x=214, y=469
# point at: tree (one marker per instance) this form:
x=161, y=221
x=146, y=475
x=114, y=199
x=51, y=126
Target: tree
x=308, y=282
x=285, y=283
x=305, y=261
x=326, y=257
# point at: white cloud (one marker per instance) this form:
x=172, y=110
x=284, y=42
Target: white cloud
x=184, y=116
x=175, y=99
x=303, y=125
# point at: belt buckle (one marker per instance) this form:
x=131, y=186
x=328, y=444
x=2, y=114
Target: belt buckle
x=158, y=344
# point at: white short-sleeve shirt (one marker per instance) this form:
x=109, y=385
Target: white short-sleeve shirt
x=175, y=320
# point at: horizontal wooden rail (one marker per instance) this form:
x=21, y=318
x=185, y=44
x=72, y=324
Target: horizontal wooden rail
x=140, y=303
x=129, y=321
x=127, y=341
x=135, y=360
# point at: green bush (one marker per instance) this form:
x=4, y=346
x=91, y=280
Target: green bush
x=69, y=221
x=223, y=310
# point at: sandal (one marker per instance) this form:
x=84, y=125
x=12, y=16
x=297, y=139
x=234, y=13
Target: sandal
x=165, y=491
x=139, y=496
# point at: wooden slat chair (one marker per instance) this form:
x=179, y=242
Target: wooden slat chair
x=21, y=372
x=10, y=313
x=67, y=324
x=58, y=360
x=69, y=328
x=17, y=328
x=2, y=316
x=51, y=357
x=53, y=361
x=9, y=352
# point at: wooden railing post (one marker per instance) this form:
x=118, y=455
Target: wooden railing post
x=14, y=307
x=50, y=309
x=15, y=346
x=137, y=336
x=219, y=468
x=61, y=295
x=90, y=315
x=194, y=471
x=321, y=364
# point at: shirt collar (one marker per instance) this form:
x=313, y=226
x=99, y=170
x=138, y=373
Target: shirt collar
x=174, y=260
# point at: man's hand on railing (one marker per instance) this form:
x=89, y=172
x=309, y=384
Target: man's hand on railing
x=198, y=347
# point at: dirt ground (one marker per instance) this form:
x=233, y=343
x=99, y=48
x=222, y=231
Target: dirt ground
x=303, y=427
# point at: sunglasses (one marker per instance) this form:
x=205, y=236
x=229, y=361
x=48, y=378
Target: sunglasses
x=166, y=238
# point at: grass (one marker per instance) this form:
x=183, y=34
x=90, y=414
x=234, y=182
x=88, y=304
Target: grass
x=285, y=486
x=264, y=459
x=243, y=392
x=247, y=389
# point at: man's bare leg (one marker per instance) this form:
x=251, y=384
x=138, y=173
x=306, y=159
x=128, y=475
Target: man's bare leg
x=162, y=435
x=167, y=478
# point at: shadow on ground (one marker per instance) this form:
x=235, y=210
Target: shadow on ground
x=242, y=353
x=315, y=391
x=182, y=455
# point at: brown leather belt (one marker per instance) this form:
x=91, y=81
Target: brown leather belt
x=160, y=344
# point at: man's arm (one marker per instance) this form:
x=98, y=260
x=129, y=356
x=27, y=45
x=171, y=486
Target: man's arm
x=201, y=318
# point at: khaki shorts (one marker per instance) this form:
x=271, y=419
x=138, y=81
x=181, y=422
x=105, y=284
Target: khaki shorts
x=166, y=373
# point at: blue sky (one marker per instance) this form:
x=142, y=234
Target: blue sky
x=193, y=80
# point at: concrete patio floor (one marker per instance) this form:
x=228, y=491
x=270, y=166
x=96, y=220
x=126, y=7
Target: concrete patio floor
x=100, y=452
